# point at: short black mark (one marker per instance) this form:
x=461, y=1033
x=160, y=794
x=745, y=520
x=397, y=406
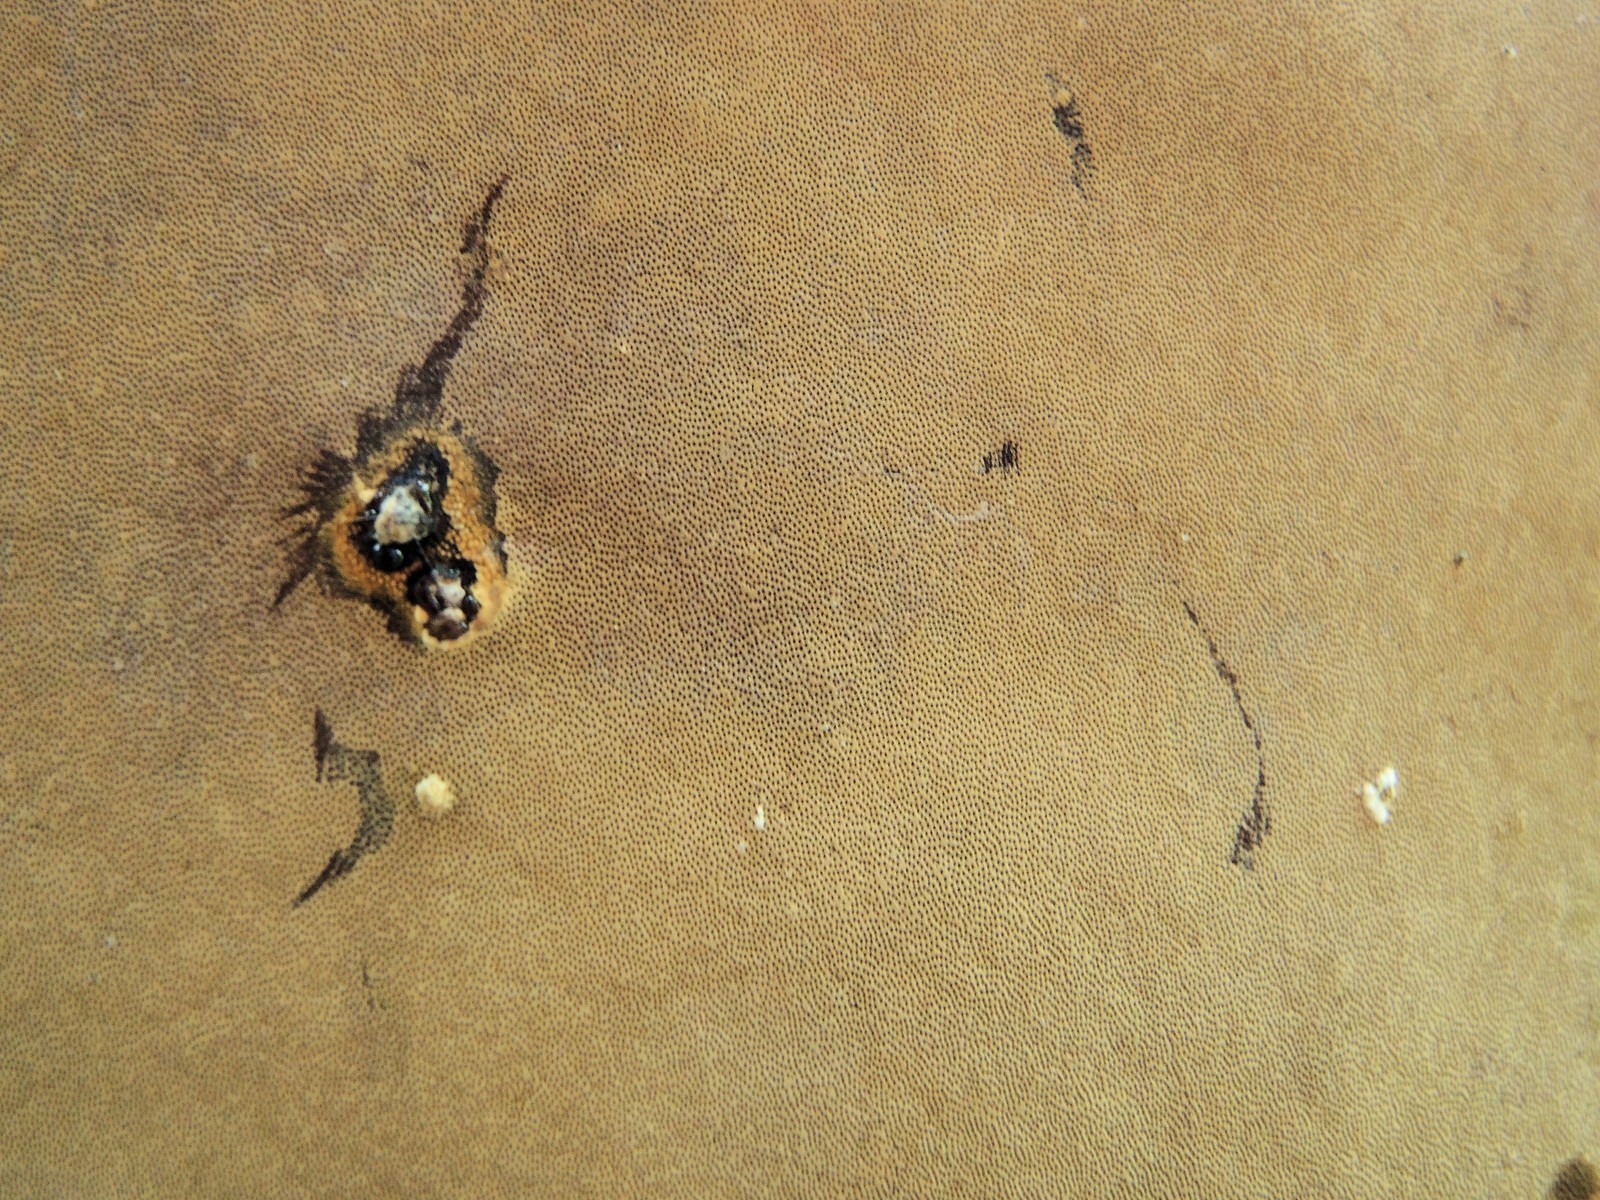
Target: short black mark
x=1003, y=459
x=1257, y=823
x=338, y=763
x=1068, y=120
x=374, y=1003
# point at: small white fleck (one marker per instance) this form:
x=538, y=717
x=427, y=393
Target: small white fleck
x=1376, y=808
x=435, y=796
x=1388, y=782
x=110, y=940
x=742, y=846
x=761, y=818
x=1509, y=51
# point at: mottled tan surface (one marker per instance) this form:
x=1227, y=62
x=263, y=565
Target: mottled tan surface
x=771, y=282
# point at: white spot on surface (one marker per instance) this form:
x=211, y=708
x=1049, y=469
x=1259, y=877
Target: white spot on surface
x=399, y=518
x=760, y=818
x=981, y=513
x=435, y=796
x=1376, y=808
x=1378, y=797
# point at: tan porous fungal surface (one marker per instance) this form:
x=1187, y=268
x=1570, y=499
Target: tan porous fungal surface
x=846, y=818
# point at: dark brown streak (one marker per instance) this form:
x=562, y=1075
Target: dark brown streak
x=338, y=763
x=322, y=740
x=320, y=488
x=1257, y=823
x=420, y=391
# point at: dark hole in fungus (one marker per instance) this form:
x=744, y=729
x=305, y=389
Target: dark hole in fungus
x=443, y=590
x=402, y=530
x=406, y=516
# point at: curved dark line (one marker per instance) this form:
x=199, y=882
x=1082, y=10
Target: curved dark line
x=420, y=391
x=1255, y=824
x=338, y=763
